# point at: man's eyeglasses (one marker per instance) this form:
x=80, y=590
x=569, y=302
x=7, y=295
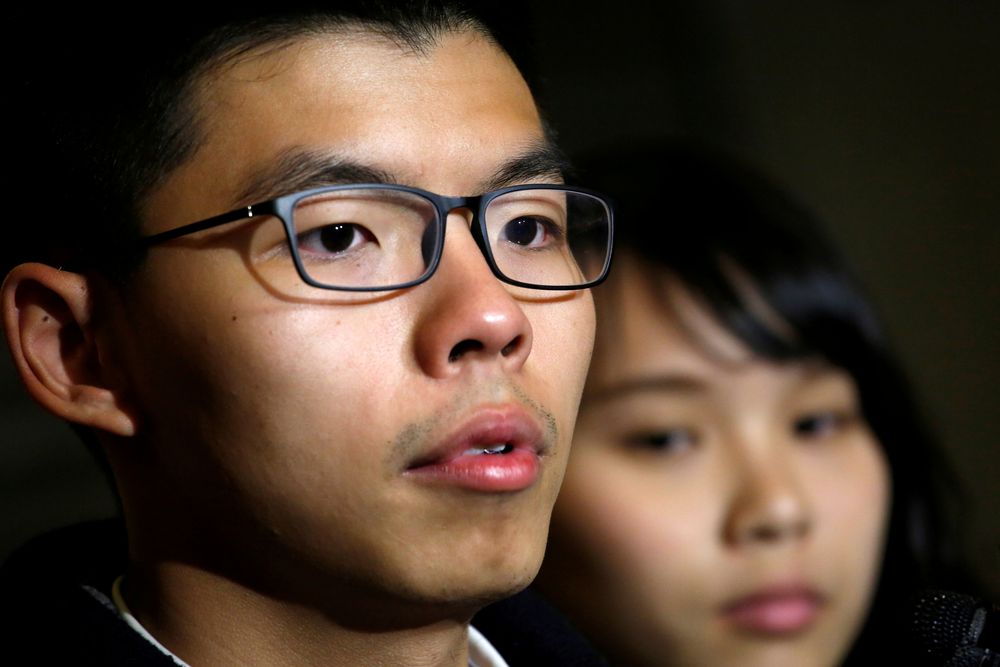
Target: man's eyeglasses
x=374, y=237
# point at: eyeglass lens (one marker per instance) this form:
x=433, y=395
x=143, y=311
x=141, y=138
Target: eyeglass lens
x=370, y=237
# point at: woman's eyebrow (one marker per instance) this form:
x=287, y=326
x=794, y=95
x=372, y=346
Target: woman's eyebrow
x=675, y=384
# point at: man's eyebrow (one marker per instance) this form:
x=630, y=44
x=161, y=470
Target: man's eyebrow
x=543, y=162
x=300, y=169
x=673, y=384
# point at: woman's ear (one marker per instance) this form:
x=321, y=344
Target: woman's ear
x=48, y=321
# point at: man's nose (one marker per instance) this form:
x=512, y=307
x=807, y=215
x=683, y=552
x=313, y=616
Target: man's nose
x=468, y=316
x=769, y=504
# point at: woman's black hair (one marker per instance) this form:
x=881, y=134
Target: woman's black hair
x=717, y=226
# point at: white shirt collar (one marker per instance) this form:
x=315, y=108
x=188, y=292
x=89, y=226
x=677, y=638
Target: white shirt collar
x=481, y=651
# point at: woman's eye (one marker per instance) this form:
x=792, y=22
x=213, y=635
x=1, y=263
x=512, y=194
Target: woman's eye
x=530, y=232
x=819, y=424
x=334, y=239
x=671, y=441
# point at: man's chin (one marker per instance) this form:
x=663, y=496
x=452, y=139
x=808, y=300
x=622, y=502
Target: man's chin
x=424, y=603
x=467, y=586
x=479, y=587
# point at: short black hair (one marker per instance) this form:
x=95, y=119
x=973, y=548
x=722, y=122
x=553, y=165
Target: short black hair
x=714, y=224
x=110, y=109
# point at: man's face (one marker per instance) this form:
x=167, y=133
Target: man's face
x=310, y=439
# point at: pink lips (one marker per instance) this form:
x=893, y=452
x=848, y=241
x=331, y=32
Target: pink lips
x=497, y=450
x=775, y=611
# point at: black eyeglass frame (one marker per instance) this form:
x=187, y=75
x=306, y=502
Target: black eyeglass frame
x=282, y=208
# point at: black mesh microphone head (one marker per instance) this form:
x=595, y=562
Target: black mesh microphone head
x=946, y=626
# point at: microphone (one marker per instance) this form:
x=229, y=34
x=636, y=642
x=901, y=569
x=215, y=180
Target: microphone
x=955, y=630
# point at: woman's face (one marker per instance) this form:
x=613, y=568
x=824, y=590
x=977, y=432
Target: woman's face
x=718, y=509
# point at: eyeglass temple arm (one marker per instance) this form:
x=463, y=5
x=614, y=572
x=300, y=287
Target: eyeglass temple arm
x=216, y=220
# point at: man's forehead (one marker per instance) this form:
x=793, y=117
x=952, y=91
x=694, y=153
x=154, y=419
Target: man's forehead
x=454, y=119
x=355, y=51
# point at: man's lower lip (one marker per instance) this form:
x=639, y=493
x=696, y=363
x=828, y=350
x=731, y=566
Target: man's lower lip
x=776, y=615
x=513, y=471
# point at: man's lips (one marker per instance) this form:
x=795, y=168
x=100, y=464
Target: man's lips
x=775, y=610
x=496, y=449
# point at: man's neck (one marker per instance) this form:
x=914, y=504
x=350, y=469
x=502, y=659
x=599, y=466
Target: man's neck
x=203, y=618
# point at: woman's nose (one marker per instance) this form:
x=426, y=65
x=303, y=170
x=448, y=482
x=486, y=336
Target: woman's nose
x=769, y=505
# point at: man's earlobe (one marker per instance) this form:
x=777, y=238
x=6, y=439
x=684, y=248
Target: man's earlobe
x=47, y=319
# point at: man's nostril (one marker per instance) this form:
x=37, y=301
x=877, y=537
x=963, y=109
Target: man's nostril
x=467, y=345
x=511, y=347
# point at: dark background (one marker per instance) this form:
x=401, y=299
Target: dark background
x=883, y=117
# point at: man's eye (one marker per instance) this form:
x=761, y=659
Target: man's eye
x=531, y=232
x=819, y=424
x=334, y=239
x=669, y=441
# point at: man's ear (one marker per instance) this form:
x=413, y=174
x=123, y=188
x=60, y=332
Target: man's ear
x=48, y=321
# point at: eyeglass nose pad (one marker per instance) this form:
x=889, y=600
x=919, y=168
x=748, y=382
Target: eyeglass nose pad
x=466, y=209
x=477, y=232
x=429, y=243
